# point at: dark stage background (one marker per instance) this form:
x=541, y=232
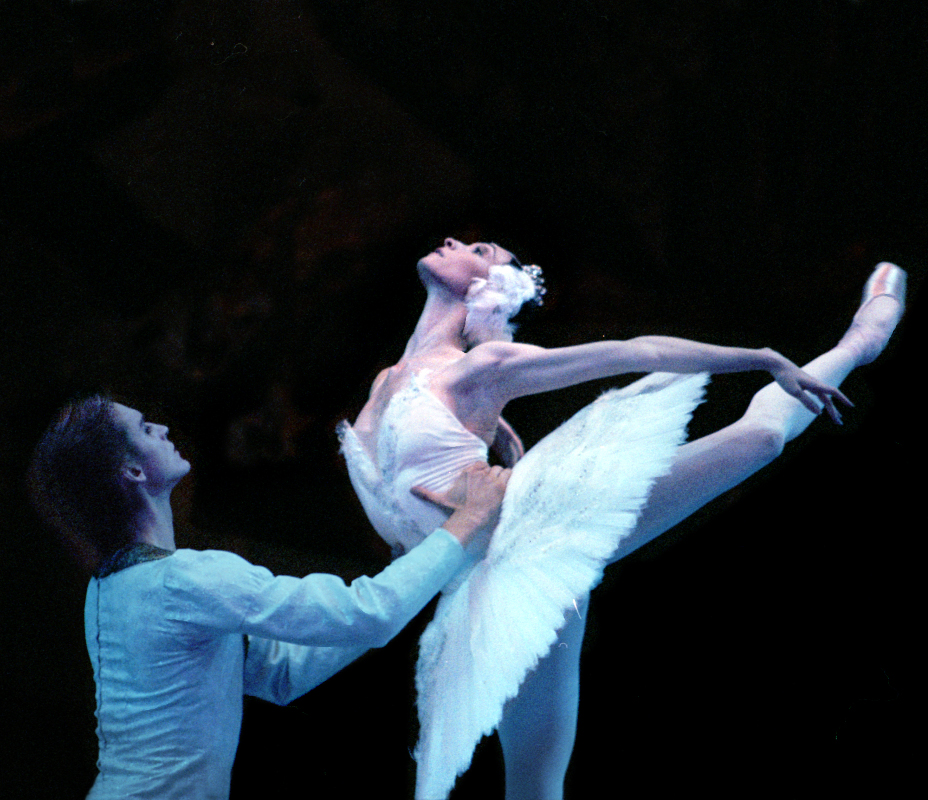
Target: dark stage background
x=213, y=208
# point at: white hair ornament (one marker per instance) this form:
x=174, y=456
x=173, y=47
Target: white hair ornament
x=493, y=301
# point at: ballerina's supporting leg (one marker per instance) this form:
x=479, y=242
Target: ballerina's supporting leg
x=709, y=466
x=539, y=725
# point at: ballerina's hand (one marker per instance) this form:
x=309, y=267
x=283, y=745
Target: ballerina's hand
x=804, y=387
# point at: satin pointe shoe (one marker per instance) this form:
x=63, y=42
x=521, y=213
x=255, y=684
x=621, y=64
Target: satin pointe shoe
x=874, y=324
x=888, y=279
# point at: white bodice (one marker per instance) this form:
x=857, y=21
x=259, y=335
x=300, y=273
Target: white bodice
x=420, y=443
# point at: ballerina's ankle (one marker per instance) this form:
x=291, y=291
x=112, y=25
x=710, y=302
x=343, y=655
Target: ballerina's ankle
x=872, y=328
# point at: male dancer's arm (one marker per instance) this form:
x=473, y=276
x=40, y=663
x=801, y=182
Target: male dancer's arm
x=281, y=671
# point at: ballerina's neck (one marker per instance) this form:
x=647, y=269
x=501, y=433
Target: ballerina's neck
x=440, y=328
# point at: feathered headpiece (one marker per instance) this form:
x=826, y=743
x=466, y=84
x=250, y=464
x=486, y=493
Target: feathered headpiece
x=493, y=301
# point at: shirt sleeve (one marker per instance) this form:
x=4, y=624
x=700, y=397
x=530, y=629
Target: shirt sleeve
x=280, y=672
x=221, y=591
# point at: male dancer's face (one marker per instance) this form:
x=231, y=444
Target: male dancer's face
x=151, y=454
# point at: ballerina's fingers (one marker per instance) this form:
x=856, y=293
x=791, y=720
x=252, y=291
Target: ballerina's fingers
x=807, y=398
x=831, y=409
x=807, y=392
x=833, y=392
x=826, y=396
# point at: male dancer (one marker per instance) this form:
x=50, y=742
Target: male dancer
x=176, y=637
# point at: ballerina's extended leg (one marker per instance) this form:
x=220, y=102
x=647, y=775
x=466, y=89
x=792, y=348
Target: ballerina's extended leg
x=709, y=466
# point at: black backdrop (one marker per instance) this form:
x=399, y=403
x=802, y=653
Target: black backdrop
x=213, y=209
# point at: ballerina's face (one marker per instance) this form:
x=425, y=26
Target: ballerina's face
x=456, y=264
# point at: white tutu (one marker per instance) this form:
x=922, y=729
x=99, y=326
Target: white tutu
x=569, y=502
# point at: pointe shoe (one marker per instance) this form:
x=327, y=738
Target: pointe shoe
x=871, y=328
x=887, y=279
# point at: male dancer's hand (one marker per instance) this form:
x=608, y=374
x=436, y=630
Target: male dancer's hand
x=474, y=499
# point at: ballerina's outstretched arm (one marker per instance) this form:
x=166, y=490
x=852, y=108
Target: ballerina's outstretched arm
x=503, y=371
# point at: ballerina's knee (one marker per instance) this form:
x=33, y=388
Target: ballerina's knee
x=763, y=441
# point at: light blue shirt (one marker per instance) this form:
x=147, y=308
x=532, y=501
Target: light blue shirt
x=167, y=642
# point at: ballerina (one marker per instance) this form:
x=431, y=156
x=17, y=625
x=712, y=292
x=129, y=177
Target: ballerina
x=608, y=481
